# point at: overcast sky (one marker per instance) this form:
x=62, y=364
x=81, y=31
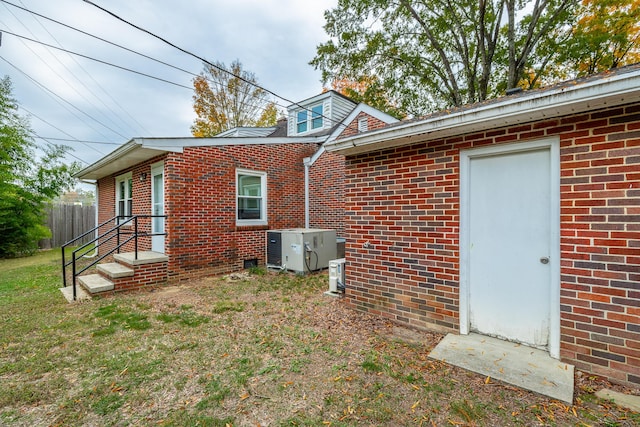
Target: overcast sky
x=80, y=99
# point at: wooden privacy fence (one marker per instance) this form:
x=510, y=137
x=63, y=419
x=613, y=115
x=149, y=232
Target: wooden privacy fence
x=67, y=221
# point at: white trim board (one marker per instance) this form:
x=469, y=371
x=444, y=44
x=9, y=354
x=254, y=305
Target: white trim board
x=553, y=144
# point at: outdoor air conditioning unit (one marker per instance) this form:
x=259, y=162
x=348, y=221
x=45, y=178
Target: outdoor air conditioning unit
x=301, y=250
x=336, y=276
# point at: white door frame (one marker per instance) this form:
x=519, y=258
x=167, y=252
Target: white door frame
x=156, y=241
x=553, y=145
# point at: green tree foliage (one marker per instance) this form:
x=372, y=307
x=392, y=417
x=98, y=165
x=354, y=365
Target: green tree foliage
x=434, y=54
x=26, y=183
x=223, y=101
x=369, y=91
x=606, y=35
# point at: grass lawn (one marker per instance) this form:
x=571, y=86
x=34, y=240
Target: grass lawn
x=263, y=350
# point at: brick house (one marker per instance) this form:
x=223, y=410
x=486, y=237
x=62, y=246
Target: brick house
x=517, y=218
x=220, y=194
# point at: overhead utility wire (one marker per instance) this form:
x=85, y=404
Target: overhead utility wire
x=48, y=138
x=153, y=59
x=50, y=94
x=114, y=117
x=97, y=60
x=49, y=66
x=99, y=38
x=35, y=135
x=340, y=123
x=50, y=124
x=95, y=82
x=58, y=98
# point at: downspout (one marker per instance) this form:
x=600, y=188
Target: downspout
x=307, y=164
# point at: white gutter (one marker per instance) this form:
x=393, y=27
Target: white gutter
x=617, y=89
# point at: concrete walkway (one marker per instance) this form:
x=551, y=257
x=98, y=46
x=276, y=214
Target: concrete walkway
x=512, y=363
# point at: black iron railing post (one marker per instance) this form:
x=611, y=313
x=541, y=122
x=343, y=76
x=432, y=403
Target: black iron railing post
x=118, y=234
x=64, y=270
x=135, y=231
x=73, y=272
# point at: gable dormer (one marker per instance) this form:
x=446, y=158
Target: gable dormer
x=318, y=114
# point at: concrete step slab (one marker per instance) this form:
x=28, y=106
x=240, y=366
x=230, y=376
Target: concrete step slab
x=95, y=283
x=81, y=294
x=144, y=257
x=115, y=270
x=522, y=366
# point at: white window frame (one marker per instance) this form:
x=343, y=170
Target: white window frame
x=310, y=116
x=263, y=197
x=128, y=197
x=316, y=116
x=300, y=122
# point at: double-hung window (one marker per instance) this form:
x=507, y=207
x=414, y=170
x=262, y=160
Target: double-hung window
x=316, y=117
x=309, y=119
x=302, y=121
x=124, y=196
x=251, y=197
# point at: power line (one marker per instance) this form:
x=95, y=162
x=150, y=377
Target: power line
x=49, y=66
x=100, y=38
x=95, y=82
x=341, y=123
x=59, y=98
x=79, y=140
x=157, y=60
x=88, y=88
x=98, y=60
x=66, y=152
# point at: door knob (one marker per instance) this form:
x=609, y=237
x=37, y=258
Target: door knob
x=544, y=260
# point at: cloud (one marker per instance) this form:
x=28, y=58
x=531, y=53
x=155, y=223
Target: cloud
x=275, y=39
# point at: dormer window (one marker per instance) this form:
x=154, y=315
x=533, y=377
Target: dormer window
x=302, y=121
x=316, y=117
x=309, y=119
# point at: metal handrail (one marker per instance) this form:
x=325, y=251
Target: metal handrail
x=78, y=253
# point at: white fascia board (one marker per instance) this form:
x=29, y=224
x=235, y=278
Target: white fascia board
x=141, y=149
x=253, y=140
x=127, y=155
x=600, y=93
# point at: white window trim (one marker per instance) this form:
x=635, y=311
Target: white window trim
x=125, y=177
x=310, y=117
x=263, y=191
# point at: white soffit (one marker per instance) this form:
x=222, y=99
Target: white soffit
x=608, y=91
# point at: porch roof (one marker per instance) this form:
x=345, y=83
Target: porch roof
x=615, y=87
x=139, y=150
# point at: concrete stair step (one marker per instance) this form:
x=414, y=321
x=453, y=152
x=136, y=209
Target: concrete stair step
x=81, y=294
x=95, y=283
x=144, y=257
x=115, y=270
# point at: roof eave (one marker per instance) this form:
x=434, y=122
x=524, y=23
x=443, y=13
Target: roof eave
x=125, y=156
x=615, y=90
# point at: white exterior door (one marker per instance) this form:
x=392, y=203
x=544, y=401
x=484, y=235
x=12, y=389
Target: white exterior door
x=157, y=207
x=510, y=249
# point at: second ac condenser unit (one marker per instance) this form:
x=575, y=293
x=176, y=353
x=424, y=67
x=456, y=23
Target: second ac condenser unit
x=301, y=249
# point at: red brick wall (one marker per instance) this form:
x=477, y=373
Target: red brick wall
x=141, y=203
x=326, y=193
x=372, y=124
x=200, y=199
x=404, y=202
